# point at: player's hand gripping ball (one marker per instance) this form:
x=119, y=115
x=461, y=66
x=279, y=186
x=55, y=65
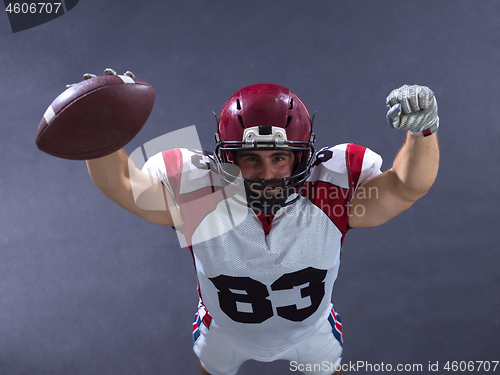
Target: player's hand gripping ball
x=95, y=117
x=413, y=108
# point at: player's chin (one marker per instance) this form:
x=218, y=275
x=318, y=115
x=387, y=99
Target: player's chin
x=271, y=193
x=267, y=192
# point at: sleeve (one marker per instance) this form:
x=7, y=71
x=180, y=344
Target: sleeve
x=155, y=166
x=362, y=164
x=370, y=167
x=186, y=174
x=346, y=165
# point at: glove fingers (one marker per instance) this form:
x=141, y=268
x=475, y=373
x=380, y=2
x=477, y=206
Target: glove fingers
x=394, y=116
x=408, y=96
x=392, y=98
x=413, y=98
x=403, y=98
x=425, y=97
x=109, y=72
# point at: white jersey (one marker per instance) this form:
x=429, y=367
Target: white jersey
x=265, y=286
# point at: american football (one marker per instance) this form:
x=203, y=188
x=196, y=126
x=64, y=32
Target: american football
x=95, y=117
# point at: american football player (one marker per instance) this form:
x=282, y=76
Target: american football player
x=265, y=215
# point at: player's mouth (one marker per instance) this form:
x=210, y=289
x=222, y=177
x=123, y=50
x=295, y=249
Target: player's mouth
x=269, y=190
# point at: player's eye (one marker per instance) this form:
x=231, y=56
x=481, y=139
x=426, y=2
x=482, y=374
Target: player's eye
x=251, y=159
x=279, y=158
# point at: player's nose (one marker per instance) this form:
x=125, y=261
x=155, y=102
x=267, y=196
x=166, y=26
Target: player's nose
x=266, y=171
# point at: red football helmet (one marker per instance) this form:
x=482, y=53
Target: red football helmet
x=266, y=117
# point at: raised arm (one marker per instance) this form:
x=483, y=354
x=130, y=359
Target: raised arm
x=138, y=192
x=415, y=167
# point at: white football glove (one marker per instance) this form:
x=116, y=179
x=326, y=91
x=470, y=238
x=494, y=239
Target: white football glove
x=107, y=72
x=413, y=108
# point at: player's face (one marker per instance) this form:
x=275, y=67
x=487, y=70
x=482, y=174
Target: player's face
x=265, y=165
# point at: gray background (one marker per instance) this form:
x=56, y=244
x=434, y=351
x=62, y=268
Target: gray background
x=87, y=288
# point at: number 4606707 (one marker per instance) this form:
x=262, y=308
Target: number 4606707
x=32, y=8
x=484, y=366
